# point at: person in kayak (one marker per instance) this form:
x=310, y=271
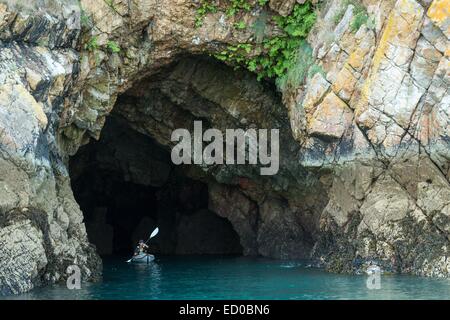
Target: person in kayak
x=141, y=248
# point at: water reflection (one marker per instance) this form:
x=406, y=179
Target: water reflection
x=238, y=278
x=120, y=281
x=148, y=279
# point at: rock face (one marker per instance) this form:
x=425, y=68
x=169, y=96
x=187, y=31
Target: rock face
x=392, y=143
x=364, y=165
x=42, y=230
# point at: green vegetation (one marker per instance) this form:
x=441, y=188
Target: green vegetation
x=314, y=69
x=299, y=22
x=240, y=25
x=287, y=57
x=302, y=66
x=110, y=3
x=360, y=15
x=238, y=5
x=113, y=46
x=205, y=7
x=358, y=21
x=92, y=44
x=234, y=6
x=85, y=20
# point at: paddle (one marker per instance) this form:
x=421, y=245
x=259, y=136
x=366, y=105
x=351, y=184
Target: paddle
x=154, y=233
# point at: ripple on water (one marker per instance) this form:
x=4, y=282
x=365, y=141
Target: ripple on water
x=238, y=278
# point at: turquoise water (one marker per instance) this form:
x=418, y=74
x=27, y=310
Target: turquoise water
x=238, y=278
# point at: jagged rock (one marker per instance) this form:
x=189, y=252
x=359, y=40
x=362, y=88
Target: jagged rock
x=331, y=118
x=316, y=91
x=386, y=202
x=438, y=13
x=23, y=257
x=283, y=7
x=238, y=209
x=345, y=84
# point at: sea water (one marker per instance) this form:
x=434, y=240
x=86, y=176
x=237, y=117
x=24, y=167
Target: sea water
x=225, y=277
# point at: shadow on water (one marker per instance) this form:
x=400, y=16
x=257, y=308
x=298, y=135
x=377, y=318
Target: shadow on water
x=230, y=277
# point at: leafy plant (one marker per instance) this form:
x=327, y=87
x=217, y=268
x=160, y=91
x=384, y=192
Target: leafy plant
x=113, y=46
x=301, y=67
x=281, y=53
x=299, y=22
x=92, y=44
x=237, y=5
x=360, y=15
x=286, y=57
x=236, y=54
x=110, y=3
x=240, y=25
x=205, y=7
x=234, y=6
x=358, y=20
x=85, y=20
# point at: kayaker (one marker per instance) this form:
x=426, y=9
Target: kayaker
x=141, y=247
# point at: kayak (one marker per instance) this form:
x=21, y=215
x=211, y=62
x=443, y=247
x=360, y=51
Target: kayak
x=143, y=258
x=373, y=270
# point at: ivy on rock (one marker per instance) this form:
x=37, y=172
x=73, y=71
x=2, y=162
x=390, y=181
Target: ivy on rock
x=274, y=57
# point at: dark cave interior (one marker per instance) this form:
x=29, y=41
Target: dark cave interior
x=126, y=185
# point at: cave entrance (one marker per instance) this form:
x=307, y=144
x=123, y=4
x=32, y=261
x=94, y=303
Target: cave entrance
x=126, y=185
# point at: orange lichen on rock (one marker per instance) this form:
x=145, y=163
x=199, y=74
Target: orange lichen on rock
x=400, y=31
x=439, y=13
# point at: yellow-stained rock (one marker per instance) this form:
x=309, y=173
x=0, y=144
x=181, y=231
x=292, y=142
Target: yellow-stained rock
x=106, y=18
x=356, y=59
x=317, y=88
x=26, y=98
x=6, y=17
x=33, y=78
x=397, y=42
x=345, y=84
x=331, y=118
x=439, y=13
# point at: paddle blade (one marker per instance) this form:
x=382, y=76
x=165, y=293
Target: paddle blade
x=154, y=233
